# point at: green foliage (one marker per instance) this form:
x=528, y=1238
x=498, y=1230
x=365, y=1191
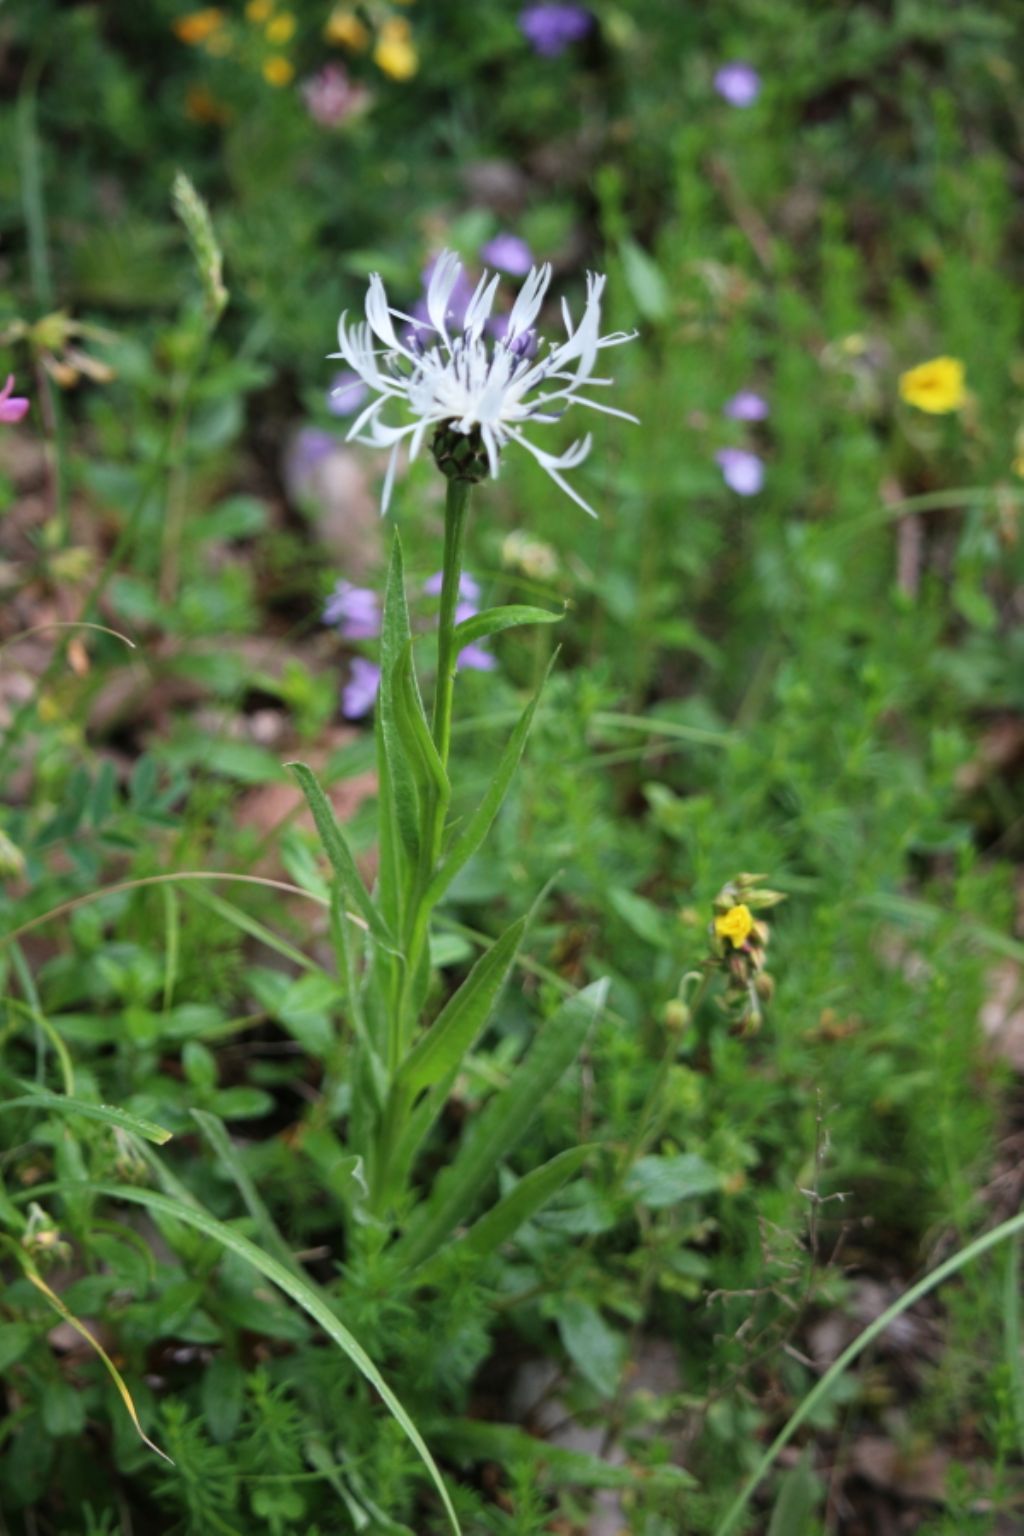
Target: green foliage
x=344, y=1163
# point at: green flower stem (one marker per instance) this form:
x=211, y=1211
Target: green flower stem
x=455, y=511
x=417, y=908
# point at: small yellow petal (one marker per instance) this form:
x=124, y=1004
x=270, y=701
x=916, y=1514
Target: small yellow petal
x=736, y=925
x=937, y=386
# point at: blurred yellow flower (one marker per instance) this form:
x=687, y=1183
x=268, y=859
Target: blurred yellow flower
x=257, y=11
x=344, y=28
x=199, y=26
x=735, y=925
x=1018, y=465
x=394, y=52
x=937, y=386
x=281, y=29
x=278, y=71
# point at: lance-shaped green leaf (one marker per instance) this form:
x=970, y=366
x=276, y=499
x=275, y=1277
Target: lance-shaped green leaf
x=493, y=620
x=500, y=1127
x=107, y=1114
x=412, y=724
x=479, y=824
x=311, y=1302
x=462, y=1019
x=395, y=634
x=336, y=847
x=530, y=1195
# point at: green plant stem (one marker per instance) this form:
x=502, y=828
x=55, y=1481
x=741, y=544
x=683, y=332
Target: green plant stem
x=417, y=907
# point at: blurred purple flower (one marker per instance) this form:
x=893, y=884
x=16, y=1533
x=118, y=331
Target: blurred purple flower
x=469, y=587
x=353, y=611
x=359, y=694
x=308, y=449
x=346, y=393
x=746, y=406
x=473, y=656
x=331, y=97
x=460, y=295
x=742, y=471
x=509, y=253
x=738, y=83
x=12, y=407
x=549, y=29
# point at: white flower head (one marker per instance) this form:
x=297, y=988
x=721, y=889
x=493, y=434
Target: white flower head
x=458, y=377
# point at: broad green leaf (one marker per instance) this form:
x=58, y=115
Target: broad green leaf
x=661, y=1181
x=645, y=919
x=595, y=1348
x=501, y=1126
x=223, y=1148
x=496, y=619
x=645, y=281
x=301, y=1292
x=461, y=1021
x=61, y=1104
x=533, y=1191
x=15, y=1339
x=221, y=1396
x=796, y=1507
x=340, y=854
x=479, y=824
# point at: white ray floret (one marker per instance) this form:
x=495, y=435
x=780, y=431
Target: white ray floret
x=443, y=373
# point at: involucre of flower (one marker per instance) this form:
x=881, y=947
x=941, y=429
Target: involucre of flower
x=462, y=384
x=742, y=471
x=737, y=83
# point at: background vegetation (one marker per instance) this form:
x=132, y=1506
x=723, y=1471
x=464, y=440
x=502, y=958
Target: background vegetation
x=822, y=681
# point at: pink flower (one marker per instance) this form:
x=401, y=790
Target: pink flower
x=739, y=84
x=742, y=472
x=331, y=97
x=746, y=406
x=12, y=407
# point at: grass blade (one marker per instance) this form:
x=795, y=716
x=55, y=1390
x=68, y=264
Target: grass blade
x=301, y=1292
x=107, y=1114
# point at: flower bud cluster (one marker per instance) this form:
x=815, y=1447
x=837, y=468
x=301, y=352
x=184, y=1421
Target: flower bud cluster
x=739, y=944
